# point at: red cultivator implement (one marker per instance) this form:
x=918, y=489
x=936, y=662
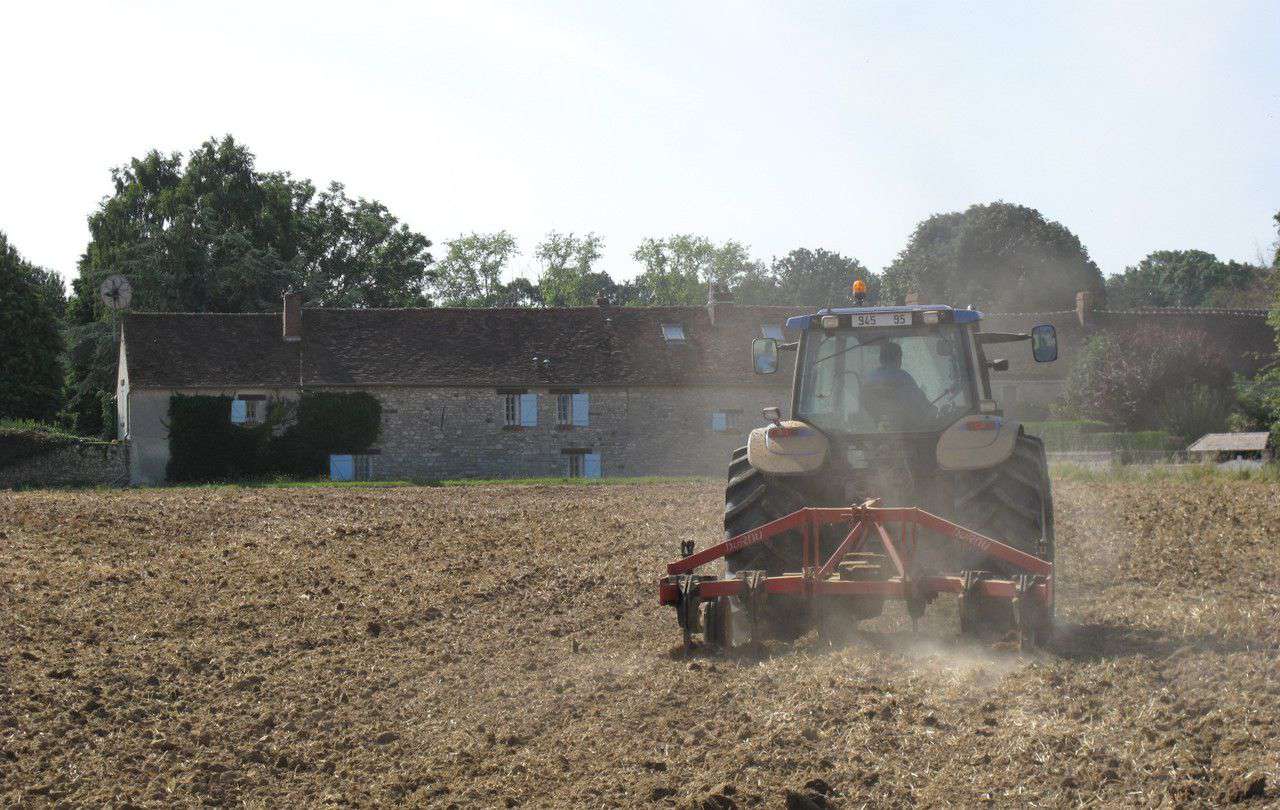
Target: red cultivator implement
x=1020, y=589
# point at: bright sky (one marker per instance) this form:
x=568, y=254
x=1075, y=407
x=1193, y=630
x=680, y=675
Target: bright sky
x=837, y=125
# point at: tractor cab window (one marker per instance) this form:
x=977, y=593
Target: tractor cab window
x=885, y=380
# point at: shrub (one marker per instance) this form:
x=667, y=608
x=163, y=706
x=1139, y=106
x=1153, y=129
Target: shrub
x=1126, y=379
x=1196, y=412
x=204, y=445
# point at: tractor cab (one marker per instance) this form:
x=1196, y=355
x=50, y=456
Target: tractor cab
x=901, y=369
x=900, y=396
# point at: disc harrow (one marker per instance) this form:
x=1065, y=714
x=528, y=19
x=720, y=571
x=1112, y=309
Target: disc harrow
x=856, y=582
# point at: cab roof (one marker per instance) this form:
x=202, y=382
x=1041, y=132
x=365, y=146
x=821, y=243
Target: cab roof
x=959, y=315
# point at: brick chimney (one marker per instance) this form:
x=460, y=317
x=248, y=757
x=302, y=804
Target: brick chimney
x=718, y=297
x=1084, y=304
x=293, y=316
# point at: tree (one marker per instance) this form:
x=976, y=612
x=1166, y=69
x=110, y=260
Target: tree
x=567, y=279
x=806, y=278
x=678, y=269
x=30, y=338
x=470, y=274
x=357, y=254
x=1275, y=259
x=1000, y=256
x=1186, y=278
x=1149, y=379
x=214, y=234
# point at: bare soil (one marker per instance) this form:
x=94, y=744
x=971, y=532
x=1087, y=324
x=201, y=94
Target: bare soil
x=500, y=645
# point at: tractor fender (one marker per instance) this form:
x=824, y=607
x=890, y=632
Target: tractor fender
x=977, y=442
x=788, y=448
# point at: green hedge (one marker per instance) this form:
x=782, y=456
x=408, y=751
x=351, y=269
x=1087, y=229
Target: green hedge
x=1066, y=436
x=295, y=439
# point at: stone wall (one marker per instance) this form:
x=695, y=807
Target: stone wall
x=87, y=463
x=431, y=434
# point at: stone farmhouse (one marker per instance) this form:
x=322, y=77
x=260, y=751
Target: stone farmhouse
x=593, y=391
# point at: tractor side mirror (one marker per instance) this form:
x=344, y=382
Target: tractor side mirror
x=764, y=355
x=1044, y=343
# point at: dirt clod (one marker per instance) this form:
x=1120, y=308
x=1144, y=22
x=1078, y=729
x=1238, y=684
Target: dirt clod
x=804, y=800
x=1245, y=787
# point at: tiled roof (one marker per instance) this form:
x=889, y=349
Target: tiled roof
x=424, y=347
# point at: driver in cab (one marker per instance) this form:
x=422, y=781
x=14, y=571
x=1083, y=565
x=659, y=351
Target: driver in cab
x=891, y=394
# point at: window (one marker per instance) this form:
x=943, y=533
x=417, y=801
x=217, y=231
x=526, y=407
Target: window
x=572, y=409
x=722, y=421
x=872, y=380
x=519, y=409
x=351, y=467
x=771, y=330
x=673, y=332
x=581, y=463
x=248, y=410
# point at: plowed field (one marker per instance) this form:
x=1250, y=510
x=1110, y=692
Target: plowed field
x=492, y=646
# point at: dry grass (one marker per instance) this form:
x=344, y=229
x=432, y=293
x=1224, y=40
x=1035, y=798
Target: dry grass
x=494, y=645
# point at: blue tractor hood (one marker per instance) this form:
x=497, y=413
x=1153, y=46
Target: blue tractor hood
x=802, y=322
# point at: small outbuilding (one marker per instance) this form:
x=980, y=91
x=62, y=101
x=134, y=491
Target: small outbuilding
x=1232, y=447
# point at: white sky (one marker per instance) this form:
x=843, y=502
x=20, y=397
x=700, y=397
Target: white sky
x=840, y=125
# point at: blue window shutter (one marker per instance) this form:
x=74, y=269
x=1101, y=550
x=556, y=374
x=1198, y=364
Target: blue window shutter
x=591, y=465
x=342, y=468
x=239, y=411
x=528, y=410
x=581, y=405
x=717, y=420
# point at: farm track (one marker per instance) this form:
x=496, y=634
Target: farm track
x=495, y=645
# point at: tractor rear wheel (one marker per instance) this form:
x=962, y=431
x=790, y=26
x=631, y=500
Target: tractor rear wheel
x=752, y=499
x=1013, y=503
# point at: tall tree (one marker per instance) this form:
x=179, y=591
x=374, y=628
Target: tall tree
x=30, y=338
x=1186, y=278
x=806, y=277
x=1000, y=256
x=356, y=254
x=211, y=233
x=470, y=274
x=567, y=278
x=678, y=269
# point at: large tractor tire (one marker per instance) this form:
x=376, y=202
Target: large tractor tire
x=1013, y=503
x=752, y=499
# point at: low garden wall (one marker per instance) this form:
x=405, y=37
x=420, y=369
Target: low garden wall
x=80, y=463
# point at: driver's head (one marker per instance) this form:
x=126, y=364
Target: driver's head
x=890, y=355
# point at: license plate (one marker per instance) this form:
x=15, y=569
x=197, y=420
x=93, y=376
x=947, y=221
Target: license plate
x=881, y=319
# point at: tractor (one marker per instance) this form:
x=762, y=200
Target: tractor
x=897, y=476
